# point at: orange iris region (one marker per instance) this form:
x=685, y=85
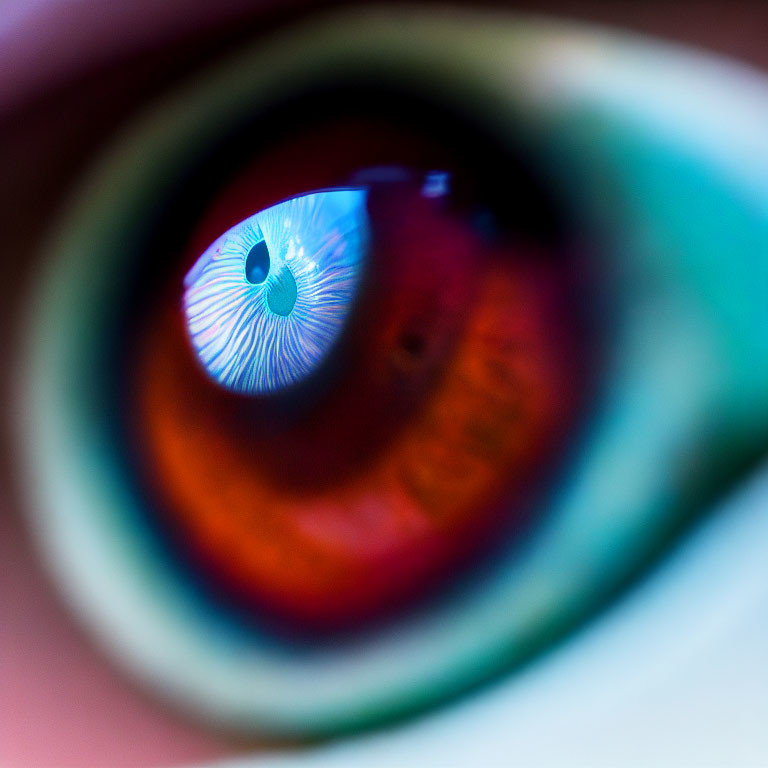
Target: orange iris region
x=296, y=515
x=448, y=400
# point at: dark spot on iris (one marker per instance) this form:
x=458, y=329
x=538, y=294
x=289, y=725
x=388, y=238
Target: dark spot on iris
x=257, y=263
x=412, y=344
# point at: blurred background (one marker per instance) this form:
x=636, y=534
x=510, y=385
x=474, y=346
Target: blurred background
x=601, y=601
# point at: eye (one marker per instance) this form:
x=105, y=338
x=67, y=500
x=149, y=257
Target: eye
x=628, y=371
x=265, y=302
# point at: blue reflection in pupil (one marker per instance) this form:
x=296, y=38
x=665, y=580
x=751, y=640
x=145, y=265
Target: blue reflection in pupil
x=257, y=264
x=281, y=297
x=266, y=301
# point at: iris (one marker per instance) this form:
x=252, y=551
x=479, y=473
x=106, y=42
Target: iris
x=266, y=301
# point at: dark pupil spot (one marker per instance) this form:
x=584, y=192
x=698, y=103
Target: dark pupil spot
x=257, y=263
x=412, y=344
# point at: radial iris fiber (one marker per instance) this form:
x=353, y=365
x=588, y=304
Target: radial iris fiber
x=256, y=338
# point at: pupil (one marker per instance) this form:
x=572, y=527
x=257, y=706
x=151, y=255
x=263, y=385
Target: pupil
x=257, y=263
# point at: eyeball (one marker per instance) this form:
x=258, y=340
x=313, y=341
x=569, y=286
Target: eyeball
x=266, y=301
x=513, y=430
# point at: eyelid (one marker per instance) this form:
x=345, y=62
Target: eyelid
x=511, y=58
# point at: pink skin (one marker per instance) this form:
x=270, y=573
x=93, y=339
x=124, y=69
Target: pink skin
x=61, y=703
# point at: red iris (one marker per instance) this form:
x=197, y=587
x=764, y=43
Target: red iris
x=444, y=406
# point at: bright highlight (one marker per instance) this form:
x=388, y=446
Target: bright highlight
x=267, y=300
